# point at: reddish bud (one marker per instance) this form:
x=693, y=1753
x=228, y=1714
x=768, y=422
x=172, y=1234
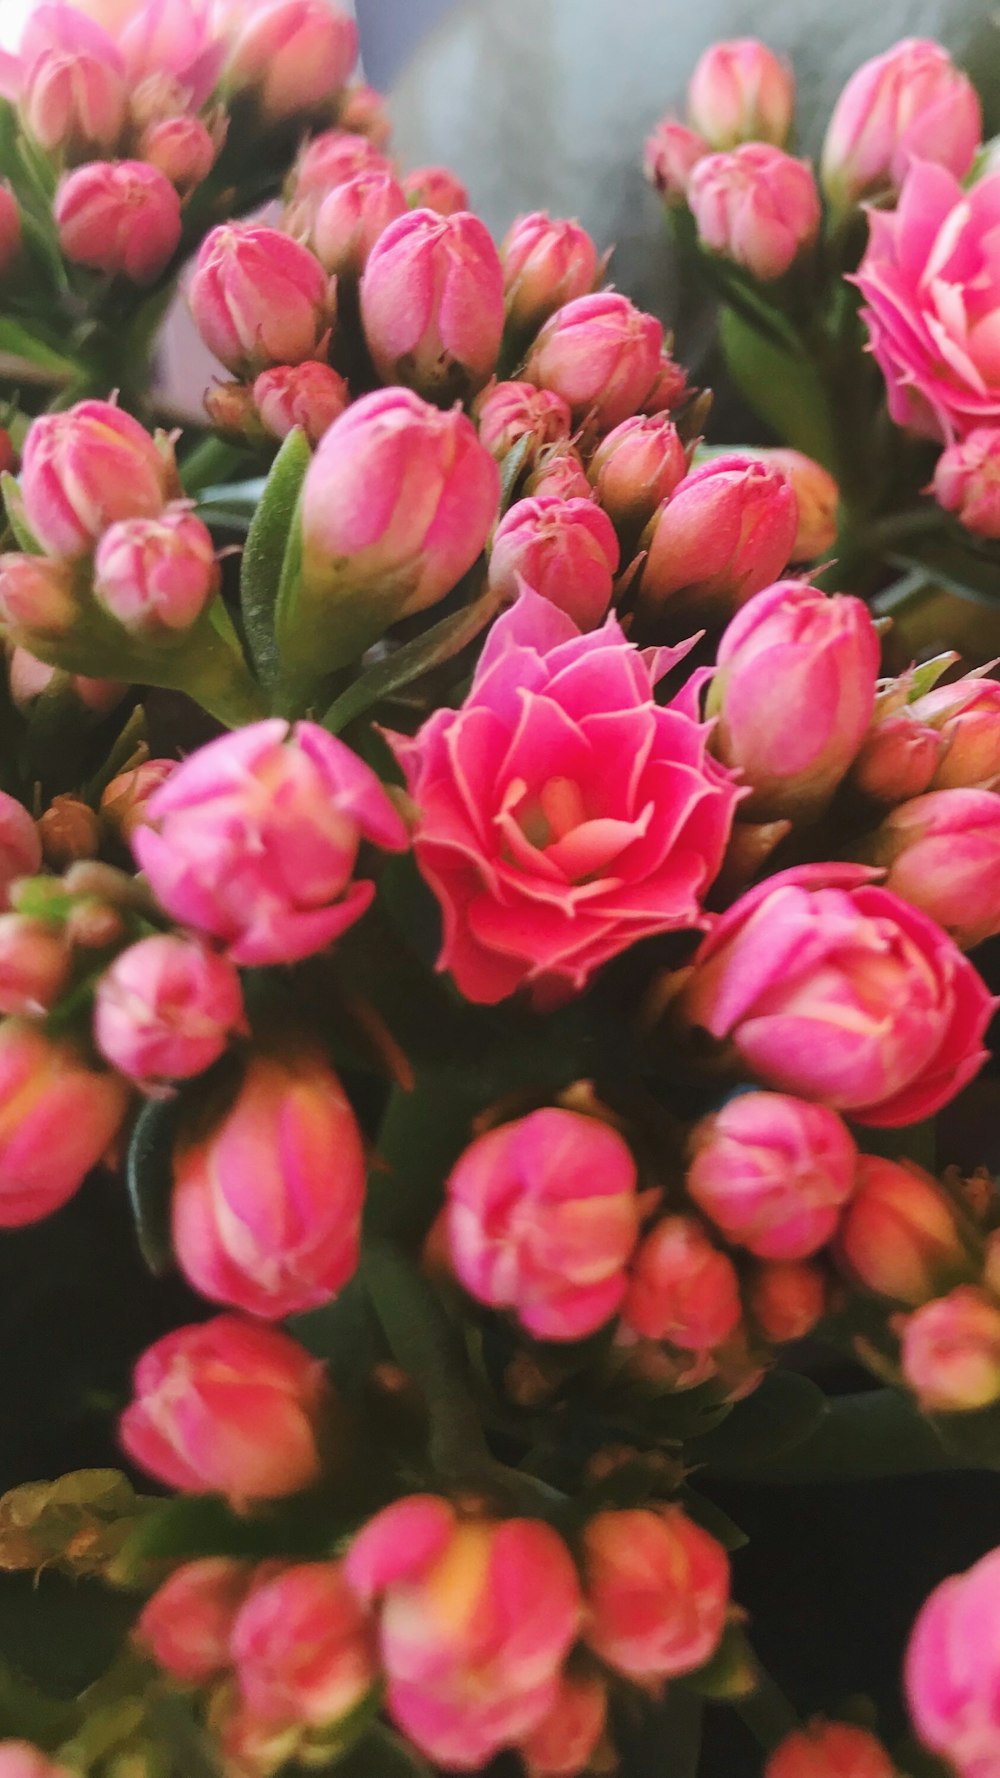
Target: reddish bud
x=259, y=298
x=682, y=1289
x=725, y=533
x=601, y=354
x=432, y=303
x=546, y=264
x=657, y=1588
x=566, y=550
x=120, y=218
x=310, y=395
x=636, y=467
x=672, y=152
x=788, y=1298
x=435, y=188
x=186, y=1625
x=507, y=412
x=57, y=1118
x=35, y=964
x=166, y=1009
x=900, y=1236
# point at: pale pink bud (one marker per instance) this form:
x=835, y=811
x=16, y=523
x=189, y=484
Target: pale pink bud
x=559, y=475
x=432, y=303
x=830, y=1750
x=657, y=1590
x=942, y=853
x=773, y=1173
x=259, y=298
x=20, y=846
x=543, y=1215
x=818, y=498
x=435, y=188
x=966, y=715
x=123, y=801
x=564, y=1741
x=155, y=576
x=787, y=1299
x=35, y=964
x=228, y=824
x=74, y=102
x=566, y=550
x=311, y=395
x=36, y=596
x=363, y=113
x=329, y=158
x=57, y=1118
x=953, y=1669
x=21, y=1759
x=10, y=230
x=669, y=389
x=636, y=467
x=825, y=653
x=740, y=91
x=230, y=1406
x=898, y=757
x=951, y=1352
x=185, y=1627
x=166, y=1008
x=547, y=262
x=303, y=1647
x=900, y=1236
x=601, y=354
x=725, y=533
x=183, y=148
x=911, y=103
x=507, y=412
x=85, y=468
x=30, y=678
x=351, y=218
x=967, y=481
x=118, y=217
x=682, y=1289
x=757, y=206
x=401, y=493
x=671, y=153
x=296, y=56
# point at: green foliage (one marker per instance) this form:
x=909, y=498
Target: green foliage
x=269, y=541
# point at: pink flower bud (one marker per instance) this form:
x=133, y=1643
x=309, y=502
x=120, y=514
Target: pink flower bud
x=942, y=853
x=830, y=1750
x=682, y=1289
x=10, y=229
x=30, y=679
x=636, y=467
x=437, y=495
x=951, y=1352
x=967, y=481
x=187, y=1623
x=787, y=1299
x=123, y=801
x=669, y=389
x=68, y=831
x=818, y=498
x=327, y=160
x=900, y=1236
x=507, y=412
x=259, y=298
x=898, y=757
x=231, y=409
x=543, y=1215
x=36, y=596
x=773, y=1173
x=363, y=113
x=657, y=1589
x=966, y=715
x=21, y=1759
x=303, y=1647
x=57, y=1117
x=295, y=55
x=435, y=188
x=475, y=1621
x=155, y=576
x=35, y=964
x=432, y=303
x=166, y=1008
x=310, y=395
x=953, y=1669
x=351, y=218
x=74, y=102
x=546, y=264
x=672, y=152
x=757, y=206
x=120, y=218
x=726, y=532
x=741, y=91
x=564, y=1742
x=824, y=651
x=85, y=468
x=183, y=148
x=601, y=355
x=911, y=103
x=254, y=839
x=228, y=1406
x=560, y=475
x=566, y=550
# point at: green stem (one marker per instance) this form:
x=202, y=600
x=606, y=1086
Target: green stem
x=767, y=1713
x=861, y=1437
x=217, y=678
x=212, y=460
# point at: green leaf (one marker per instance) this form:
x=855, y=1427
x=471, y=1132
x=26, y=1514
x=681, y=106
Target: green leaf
x=510, y=469
x=192, y=1525
x=14, y=507
x=783, y=387
x=772, y=1421
x=381, y=1754
x=269, y=543
x=18, y=341
x=711, y=1518
x=410, y=662
x=150, y=1181
x=26, y=1714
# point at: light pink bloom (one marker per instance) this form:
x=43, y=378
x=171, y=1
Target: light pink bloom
x=657, y=1591
x=563, y=813
x=311, y=395
x=123, y=801
x=303, y=1647
x=830, y=1750
x=909, y=104
x=75, y=103
x=476, y=1618
x=636, y=467
x=601, y=354
x=35, y=964
x=37, y=597
x=547, y=262
x=21, y=1759
x=942, y=853
x=10, y=228
x=740, y=91
x=184, y=149
x=899, y=755
x=560, y=474
x=351, y=218
x=57, y=1118
x=953, y=1670
x=296, y=56
x=259, y=298
x=966, y=717
x=85, y=468
x=682, y=1289
x=176, y=39
x=900, y=1236
x=542, y=1218
x=726, y=532
x=230, y=1406
x=967, y=481
x=773, y=1173
x=435, y=188
x=757, y=206
x=156, y=576
x=564, y=1742
x=363, y=112
x=166, y=1008
x=254, y=839
x=118, y=217
x=817, y=496
x=671, y=153
x=951, y=1352
x=566, y=550
x=187, y=1623
x=325, y=161
x=507, y=412
x=830, y=987
x=787, y=1298
x=432, y=303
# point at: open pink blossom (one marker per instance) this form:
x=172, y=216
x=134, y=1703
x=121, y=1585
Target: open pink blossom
x=953, y=1670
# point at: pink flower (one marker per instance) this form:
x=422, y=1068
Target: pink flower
x=726, y=532
x=187, y=1623
x=636, y=467
x=435, y=188
x=560, y=474
x=542, y=1218
x=432, y=303
x=817, y=497
x=657, y=1590
x=10, y=229
x=757, y=206
x=682, y=1289
x=741, y=91
x=966, y=718
x=476, y=1618
x=183, y=148
x=254, y=839
x=507, y=412
x=671, y=153
x=37, y=598
x=310, y=395
x=953, y=1670
x=75, y=103
x=123, y=801
x=967, y=481
x=898, y=756
x=931, y=282
x=363, y=112
x=566, y=550
x=296, y=55
x=942, y=852
x=84, y=469
x=563, y=813
x=57, y=1118
x=601, y=355
x=900, y=1237
x=910, y=104
x=119, y=217
x=824, y=652
x=951, y=1352
x=565, y=1740
x=259, y=298
x=351, y=218
x=35, y=964
x=156, y=576
x=787, y=1299
x=830, y=987
x=773, y=1173
x=830, y=1750
x=166, y=1009
x=21, y=1759
x=303, y=1647
x=229, y=1406
x=547, y=263
x=267, y=1203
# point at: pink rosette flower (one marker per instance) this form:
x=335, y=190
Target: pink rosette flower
x=831, y=987
x=740, y=91
x=682, y=1289
x=636, y=467
x=965, y=716
x=475, y=1621
x=542, y=1217
x=303, y=1647
x=910, y=104
x=830, y=1750
x=951, y=1352
x=547, y=262
x=311, y=395
x=757, y=206
x=20, y=846
x=75, y=103
x=967, y=481
x=84, y=469
x=435, y=188
x=294, y=55
x=671, y=154
x=58, y=1116
x=773, y=1173
x=187, y=1624
x=183, y=148
x=931, y=283
x=953, y=1670
x=657, y=1592
x=166, y=1009
x=229, y=1406
x=507, y=412
x=563, y=813
x=900, y=1236
x=254, y=839
x=118, y=217
x=351, y=218
x=563, y=1744
x=156, y=576
x=725, y=533
x=432, y=303
x=942, y=854
x=601, y=354
x=566, y=550
x=259, y=298
x=10, y=229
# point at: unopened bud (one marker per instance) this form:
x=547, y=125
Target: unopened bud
x=900, y=1235
x=787, y=1299
x=68, y=831
x=951, y=1352
x=35, y=964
